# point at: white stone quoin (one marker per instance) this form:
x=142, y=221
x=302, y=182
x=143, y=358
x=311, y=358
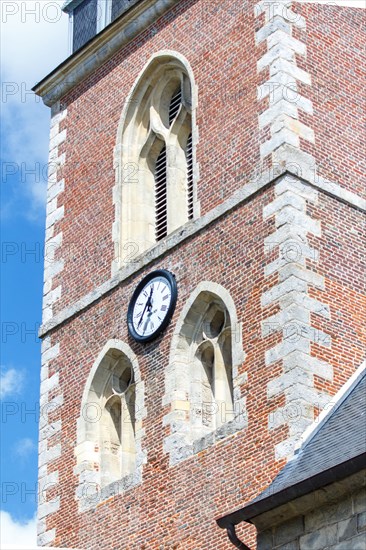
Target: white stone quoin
x=52, y=267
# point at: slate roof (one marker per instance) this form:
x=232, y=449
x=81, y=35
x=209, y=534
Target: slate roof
x=334, y=451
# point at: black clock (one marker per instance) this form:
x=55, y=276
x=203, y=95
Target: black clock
x=152, y=305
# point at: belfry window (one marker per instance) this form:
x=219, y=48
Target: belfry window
x=155, y=193
x=110, y=423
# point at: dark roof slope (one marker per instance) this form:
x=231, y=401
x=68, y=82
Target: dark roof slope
x=335, y=451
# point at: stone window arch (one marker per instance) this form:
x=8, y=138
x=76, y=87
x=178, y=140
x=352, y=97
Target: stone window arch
x=155, y=191
x=109, y=430
x=204, y=387
x=211, y=378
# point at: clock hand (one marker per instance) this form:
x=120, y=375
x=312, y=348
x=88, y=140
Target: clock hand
x=146, y=322
x=148, y=305
x=149, y=300
x=142, y=316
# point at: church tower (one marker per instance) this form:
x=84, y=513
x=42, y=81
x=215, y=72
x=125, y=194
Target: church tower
x=203, y=288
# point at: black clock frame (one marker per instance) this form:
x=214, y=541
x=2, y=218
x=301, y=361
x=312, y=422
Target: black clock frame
x=170, y=279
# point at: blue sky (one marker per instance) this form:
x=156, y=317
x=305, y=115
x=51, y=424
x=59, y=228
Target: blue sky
x=34, y=41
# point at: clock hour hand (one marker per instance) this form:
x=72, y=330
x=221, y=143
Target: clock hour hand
x=148, y=305
x=149, y=302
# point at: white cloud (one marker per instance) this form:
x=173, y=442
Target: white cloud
x=34, y=40
x=24, y=447
x=11, y=382
x=16, y=535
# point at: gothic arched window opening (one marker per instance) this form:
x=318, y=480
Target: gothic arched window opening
x=109, y=429
x=212, y=379
x=155, y=191
x=117, y=427
x=203, y=380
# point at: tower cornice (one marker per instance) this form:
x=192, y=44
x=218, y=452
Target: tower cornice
x=100, y=49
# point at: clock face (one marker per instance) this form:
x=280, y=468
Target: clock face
x=152, y=305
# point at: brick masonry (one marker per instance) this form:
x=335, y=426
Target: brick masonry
x=285, y=242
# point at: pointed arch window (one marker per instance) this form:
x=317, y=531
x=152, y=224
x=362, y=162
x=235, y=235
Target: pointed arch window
x=203, y=380
x=155, y=192
x=212, y=380
x=109, y=429
x=117, y=428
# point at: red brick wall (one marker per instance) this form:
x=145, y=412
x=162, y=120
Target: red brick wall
x=342, y=262
x=218, y=40
x=336, y=61
x=175, y=507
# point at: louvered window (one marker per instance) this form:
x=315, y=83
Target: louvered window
x=161, y=226
x=156, y=138
x=174, y=106
x=189, y=157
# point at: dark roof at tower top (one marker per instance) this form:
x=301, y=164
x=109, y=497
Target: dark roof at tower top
x=333, y=451
x=69, y=5
x=90, y=17
x=94, y=44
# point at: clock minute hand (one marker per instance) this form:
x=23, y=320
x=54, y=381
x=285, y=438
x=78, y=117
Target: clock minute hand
x=142, y=315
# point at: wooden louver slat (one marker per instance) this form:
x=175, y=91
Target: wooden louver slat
x=189, y=158
x=160, y=196
x=174, y=105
